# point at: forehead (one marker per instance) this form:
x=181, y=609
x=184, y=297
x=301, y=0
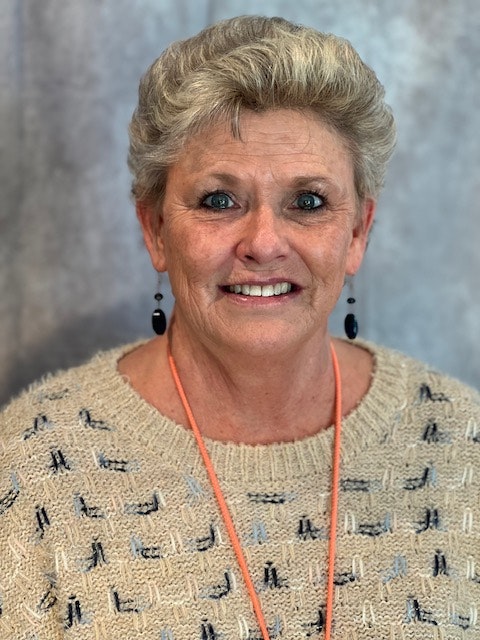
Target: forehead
x=285, y=140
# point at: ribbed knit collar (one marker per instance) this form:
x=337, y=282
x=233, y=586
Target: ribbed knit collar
x=134, y=418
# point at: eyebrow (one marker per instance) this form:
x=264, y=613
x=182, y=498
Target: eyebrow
x=301, y=181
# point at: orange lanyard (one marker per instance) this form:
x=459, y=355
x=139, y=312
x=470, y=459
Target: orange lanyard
x=227, y=518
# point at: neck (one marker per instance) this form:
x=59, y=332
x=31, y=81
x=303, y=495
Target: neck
x=252, y=398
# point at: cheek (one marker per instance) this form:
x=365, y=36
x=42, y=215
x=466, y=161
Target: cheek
x=194, y=256
x=329, y=253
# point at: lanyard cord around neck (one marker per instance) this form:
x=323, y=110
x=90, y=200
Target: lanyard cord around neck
x=227, y=518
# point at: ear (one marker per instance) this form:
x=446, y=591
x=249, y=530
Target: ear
x=360, y=235
x=151, y=223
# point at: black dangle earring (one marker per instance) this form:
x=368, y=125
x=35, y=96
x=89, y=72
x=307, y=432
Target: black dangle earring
x=159, y=321
x=351, y=324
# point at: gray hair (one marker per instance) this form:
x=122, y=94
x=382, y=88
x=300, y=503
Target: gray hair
x=257, y=63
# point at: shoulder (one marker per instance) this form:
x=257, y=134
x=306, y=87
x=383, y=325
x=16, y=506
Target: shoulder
x=428, y=381
x=426, y=395
x=59, y=402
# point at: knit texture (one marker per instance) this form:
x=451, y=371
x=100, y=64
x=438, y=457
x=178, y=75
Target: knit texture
x=109, y=528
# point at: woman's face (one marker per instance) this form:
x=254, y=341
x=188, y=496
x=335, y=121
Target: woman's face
x=258, y=234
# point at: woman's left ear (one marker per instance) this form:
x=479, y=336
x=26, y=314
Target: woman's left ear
x=360, y=235
x=151, y=225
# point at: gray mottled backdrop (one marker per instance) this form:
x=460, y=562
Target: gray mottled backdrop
x=74, y=276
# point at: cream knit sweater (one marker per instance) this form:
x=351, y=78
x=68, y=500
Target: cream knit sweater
x=109, y=529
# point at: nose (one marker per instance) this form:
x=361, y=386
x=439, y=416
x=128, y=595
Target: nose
x=263, y=237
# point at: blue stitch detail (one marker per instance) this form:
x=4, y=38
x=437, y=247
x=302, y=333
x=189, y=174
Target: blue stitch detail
x=259, y=532
x=195, y=488
x=274, y=631
x=399, y=569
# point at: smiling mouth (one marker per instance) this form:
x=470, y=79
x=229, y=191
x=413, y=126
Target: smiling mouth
x=263, y=291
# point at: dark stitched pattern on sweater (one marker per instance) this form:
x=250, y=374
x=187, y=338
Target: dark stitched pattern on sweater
x=87, y=421
x=433, y=433
x=440, y=564
x=415, y=613
x=123, y=466
x=96, y=558
x=144, y=508
x=462, y=621
x=315, y=627
x=48, y=600
x=43, y=521
x=74, y=613
x=45, y=395
x=341, y=579
x=208, y=632
x=218, y=591
x=428, y=477
x=308, y=531
x=431, y=520
x=40, y=423
x=139, y=550
x=59, y=462
x=204, y=543
x=271, y=498
x=271, y=579
x=348, y=484
x=8, y=499
x=127, y=605
x=476, y=578
x=427, y=395
x=375, y=528
x=83, y=509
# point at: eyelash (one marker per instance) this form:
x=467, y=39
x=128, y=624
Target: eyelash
x=310, y=192
x=208, y=194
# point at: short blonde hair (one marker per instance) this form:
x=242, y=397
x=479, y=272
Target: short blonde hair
x=257, y=63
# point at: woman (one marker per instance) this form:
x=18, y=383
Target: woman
x=244, y=475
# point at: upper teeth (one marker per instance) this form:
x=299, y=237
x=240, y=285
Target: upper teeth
x=261, y=290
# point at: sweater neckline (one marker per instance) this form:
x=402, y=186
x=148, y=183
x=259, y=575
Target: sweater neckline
x=370, y=421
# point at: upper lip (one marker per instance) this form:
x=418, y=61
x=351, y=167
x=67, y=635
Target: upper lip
x=261, y=283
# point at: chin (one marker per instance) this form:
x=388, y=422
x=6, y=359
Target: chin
x=268, y=340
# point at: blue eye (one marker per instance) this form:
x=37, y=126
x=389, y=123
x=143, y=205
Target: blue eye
x=218, y=200
x=309, y=201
